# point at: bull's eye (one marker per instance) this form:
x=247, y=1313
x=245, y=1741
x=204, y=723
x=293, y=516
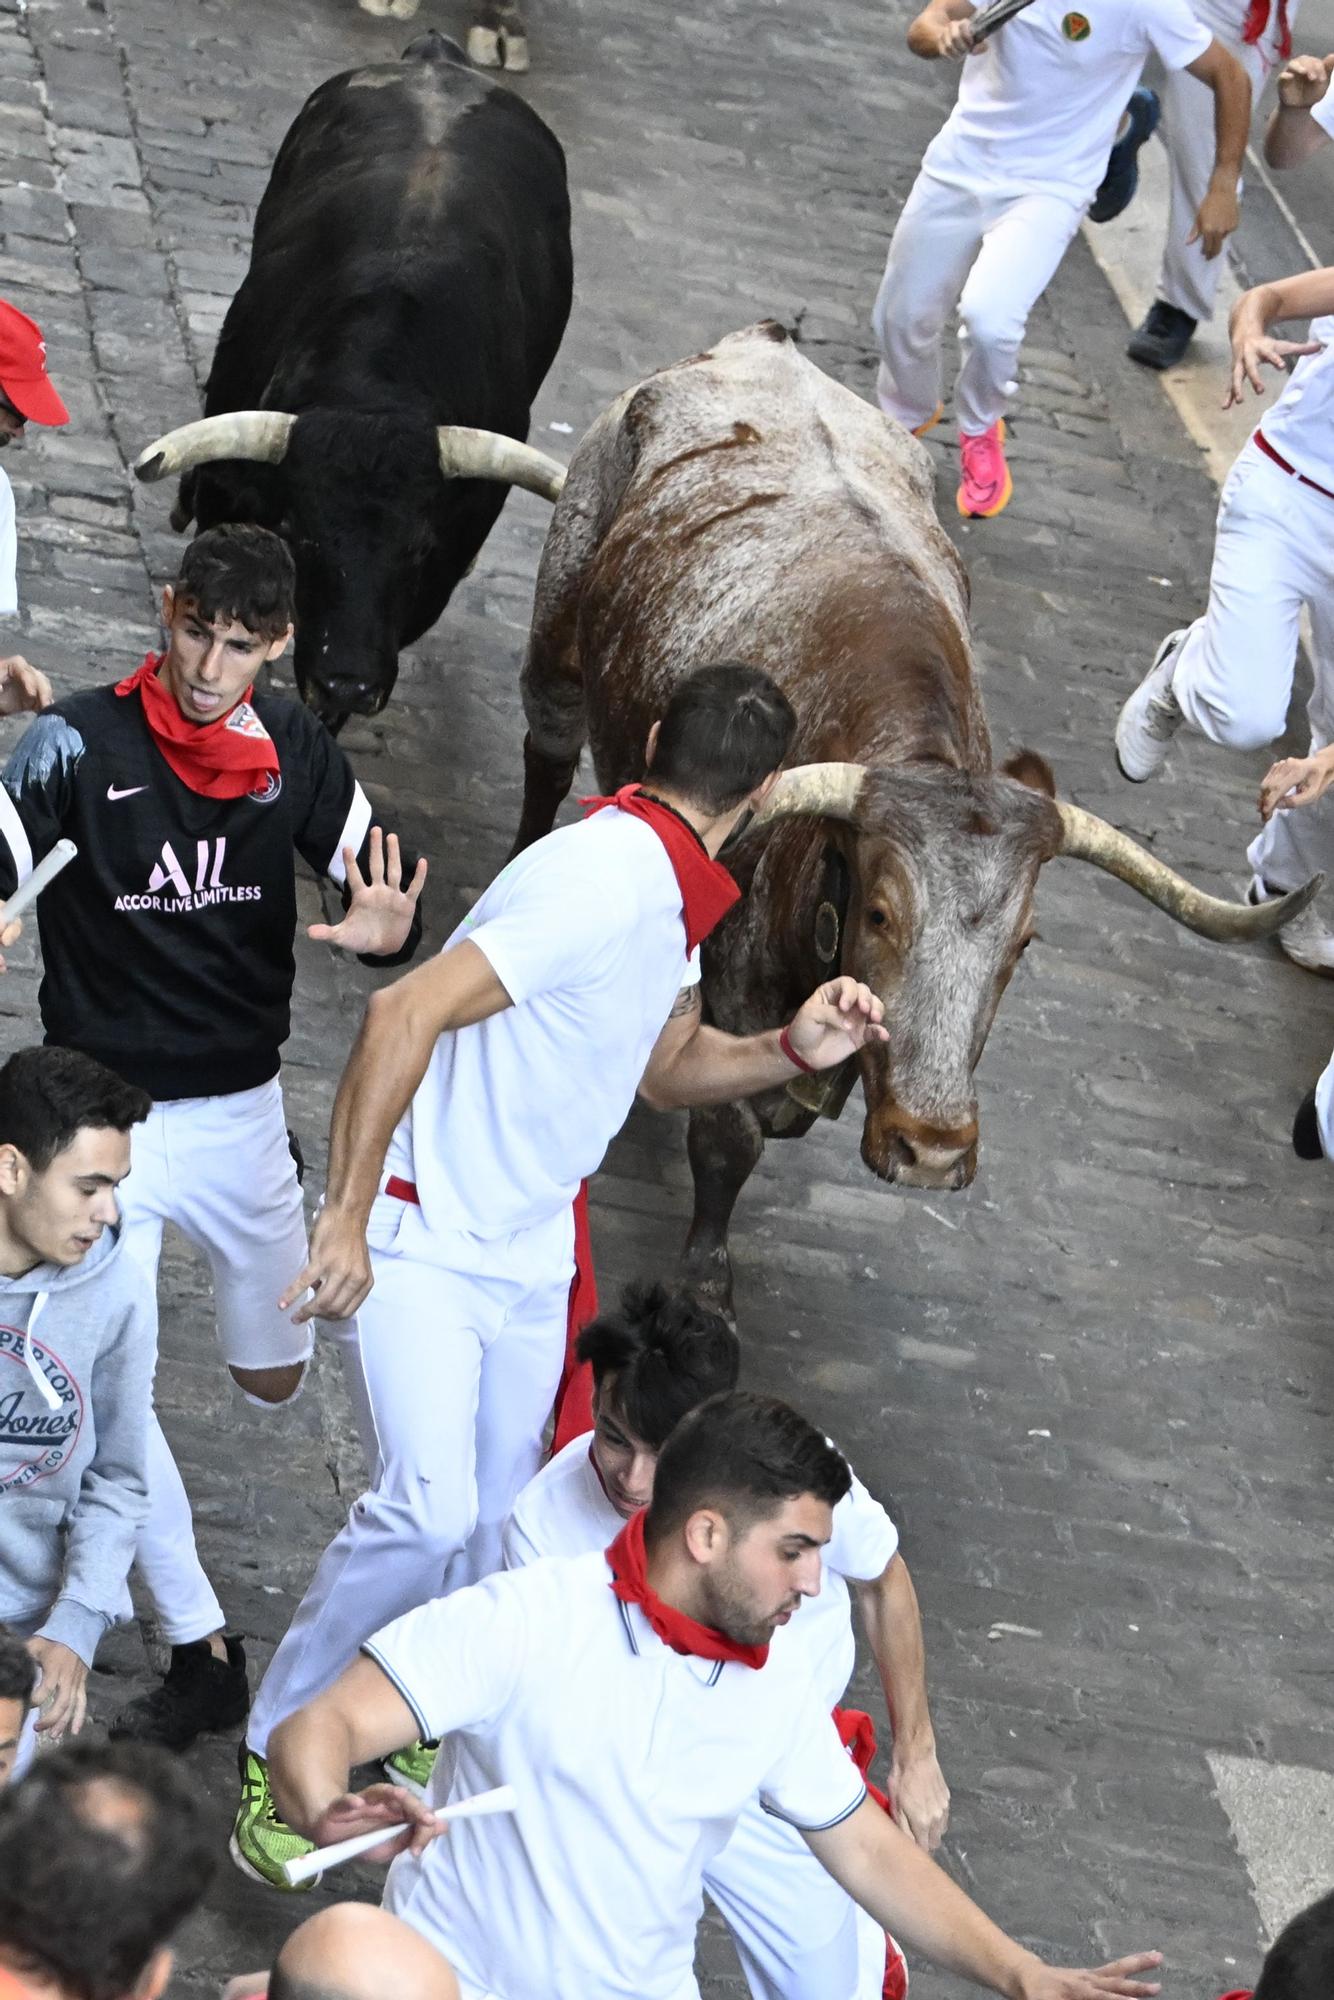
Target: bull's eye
x=876, y=916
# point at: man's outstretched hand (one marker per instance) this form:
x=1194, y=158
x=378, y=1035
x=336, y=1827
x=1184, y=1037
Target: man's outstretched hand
x=839, y=1018
x=1101, y=1982
x=380, y=910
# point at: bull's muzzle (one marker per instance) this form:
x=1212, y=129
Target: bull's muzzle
x=337, y=697
x=912, y=1153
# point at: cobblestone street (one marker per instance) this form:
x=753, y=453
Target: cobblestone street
x=1096, y=1389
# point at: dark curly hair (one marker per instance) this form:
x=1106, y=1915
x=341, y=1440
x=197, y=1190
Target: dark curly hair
x=664, y=1351
x=103, y=1852
x=745, y=1455
x=48, y=1096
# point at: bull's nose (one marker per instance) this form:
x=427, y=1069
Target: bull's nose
x=918, y=1155
x=335, y=699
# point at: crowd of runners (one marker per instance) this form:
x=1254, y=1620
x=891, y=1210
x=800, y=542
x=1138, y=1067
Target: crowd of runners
x=588, y=1568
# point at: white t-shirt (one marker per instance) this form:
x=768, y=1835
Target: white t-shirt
x=9, y=550
x=1039, y=107
x=632, y=1764
x=584, y=931
x=563, y=1511
x=1300, y=424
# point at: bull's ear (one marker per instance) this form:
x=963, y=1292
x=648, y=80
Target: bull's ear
x=1027, y=768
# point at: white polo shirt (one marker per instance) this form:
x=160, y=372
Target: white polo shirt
x=585, y=933
x=632, y=1764
x=9, y=550
x=1039, y=106
x=563, y=1511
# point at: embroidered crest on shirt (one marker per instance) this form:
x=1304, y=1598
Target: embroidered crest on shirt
x=243, y=721
x=1076, y=27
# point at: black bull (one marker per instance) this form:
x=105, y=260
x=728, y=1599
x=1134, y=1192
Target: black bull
x=410, y=269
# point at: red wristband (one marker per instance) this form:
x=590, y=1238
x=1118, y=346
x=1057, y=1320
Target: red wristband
x=798, y=1062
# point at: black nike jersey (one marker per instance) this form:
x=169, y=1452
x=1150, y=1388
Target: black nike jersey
x=168, y=943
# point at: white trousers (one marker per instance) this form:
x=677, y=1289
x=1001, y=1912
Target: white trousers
x=1189, y=279
x=799, y=1936
x=1273, y=554
x=993, y=253
x=221, y=1170
x=461, y=1345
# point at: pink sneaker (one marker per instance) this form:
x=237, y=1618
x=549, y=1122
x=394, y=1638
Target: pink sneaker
x=985, y=484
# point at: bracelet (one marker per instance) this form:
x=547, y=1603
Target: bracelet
x=798, y=1062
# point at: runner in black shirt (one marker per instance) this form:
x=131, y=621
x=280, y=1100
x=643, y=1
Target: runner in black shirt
x=167, y=948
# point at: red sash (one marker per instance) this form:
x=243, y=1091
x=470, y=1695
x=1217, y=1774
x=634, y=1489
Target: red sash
x=1257, y=20
x=707, y=890
x=573, y=1410
x=627, y=1560
x=856, y=1732
x=219, y=760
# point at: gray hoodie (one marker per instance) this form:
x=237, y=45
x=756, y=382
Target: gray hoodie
x=77, y=1348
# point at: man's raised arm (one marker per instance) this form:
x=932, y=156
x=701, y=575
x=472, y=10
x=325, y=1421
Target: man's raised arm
x=359, y=1720
x=399, y=1031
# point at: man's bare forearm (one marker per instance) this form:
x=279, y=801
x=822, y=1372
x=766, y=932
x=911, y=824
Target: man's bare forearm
x=310, y=1763
x=1232, y=126
x=389, y=1058
x=893, y=1624
x=1305, y=295
x=907, y=1894
x=715, y=1068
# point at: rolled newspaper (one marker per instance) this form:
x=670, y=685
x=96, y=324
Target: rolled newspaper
x=45, y=872
x=502, y=1800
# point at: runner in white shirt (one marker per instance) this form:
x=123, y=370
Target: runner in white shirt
x=1229, y=675
x=632, y=1700
x=798, y=1935
x=1002, y=189
x=494, y=1081
x=27, y=395
x=1258, y=33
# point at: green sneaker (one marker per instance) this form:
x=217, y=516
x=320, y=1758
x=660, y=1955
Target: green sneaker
x=412, y=1767
x=260, y=1842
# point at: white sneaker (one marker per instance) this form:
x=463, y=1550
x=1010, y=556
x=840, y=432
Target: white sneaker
x=1307, y=940
x=1150, y=719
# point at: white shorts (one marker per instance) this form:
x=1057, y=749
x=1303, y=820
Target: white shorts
x=222, y=1170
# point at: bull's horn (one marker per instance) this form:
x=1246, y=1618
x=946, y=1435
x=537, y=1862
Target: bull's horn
x=1088, y=838
x=827, y=789
x=472, y=454
x=259, y=435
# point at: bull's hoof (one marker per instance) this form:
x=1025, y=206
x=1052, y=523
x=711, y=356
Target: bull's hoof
x=515, y=51
x=484, y=50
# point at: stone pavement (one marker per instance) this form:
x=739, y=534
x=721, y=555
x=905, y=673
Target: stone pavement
x=1096, y=1389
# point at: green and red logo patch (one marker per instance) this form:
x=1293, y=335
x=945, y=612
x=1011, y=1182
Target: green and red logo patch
x=1076, y=27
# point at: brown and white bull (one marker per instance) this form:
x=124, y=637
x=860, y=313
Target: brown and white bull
x=743, y=505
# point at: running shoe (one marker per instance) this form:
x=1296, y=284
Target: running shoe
x=198, y=1693
x=260, y=1841
x=1162, y=336
x=1306, y=939
x=1151, y=718
x=1122, y=176
x=985, y=484
x=920, y=430
x=412, y=1767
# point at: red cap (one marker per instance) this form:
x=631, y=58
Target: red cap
x=23, y=375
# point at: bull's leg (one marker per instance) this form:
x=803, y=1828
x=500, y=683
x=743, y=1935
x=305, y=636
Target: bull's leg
x=725, y=1142
x=546, y=782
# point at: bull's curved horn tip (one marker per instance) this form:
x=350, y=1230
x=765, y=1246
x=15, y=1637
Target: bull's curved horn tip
x=1284, y=908
x=149, y=463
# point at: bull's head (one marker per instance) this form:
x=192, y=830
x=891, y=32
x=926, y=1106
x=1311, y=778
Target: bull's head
x=356, y=502
x=943, y=868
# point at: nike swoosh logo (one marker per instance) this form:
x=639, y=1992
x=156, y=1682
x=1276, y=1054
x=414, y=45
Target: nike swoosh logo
x=128, y=792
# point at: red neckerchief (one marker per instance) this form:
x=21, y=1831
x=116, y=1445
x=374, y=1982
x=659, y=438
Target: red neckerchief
x=1238, y=1993
x=628, y=1561
x=219, y=760
x=1257, y=20
x=707, y=890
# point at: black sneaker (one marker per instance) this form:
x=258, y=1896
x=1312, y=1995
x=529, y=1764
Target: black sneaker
x=199, y=1693
x=1162, y=337
x=1122, y=176
x=1306, y=1130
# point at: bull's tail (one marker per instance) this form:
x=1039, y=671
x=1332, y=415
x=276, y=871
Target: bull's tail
x=434, y=47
